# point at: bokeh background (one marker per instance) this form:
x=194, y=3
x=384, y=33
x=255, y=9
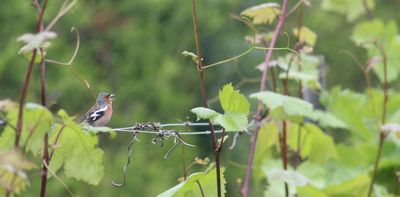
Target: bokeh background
x=133, y=49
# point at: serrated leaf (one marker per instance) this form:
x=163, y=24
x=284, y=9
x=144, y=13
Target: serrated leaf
x=305, y=35
x=37, y=121
x=284, y=107
x=205, y=113
x=191, y=186
x=76, y=152
x=262, y=14
x=232, y=121
x=235, y=106
x=232, y=101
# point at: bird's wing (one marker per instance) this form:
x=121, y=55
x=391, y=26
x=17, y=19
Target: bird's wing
x=97, y=114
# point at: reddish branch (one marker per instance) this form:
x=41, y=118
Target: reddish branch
x=200, y=68
x=245, y=188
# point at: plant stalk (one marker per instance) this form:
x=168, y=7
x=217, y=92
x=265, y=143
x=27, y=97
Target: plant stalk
x=382, y=134
x=200, y=68
x=282, y=17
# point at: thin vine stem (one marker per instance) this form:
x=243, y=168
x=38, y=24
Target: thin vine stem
x=59, y=180
x=200, y=68
x=264, y=78
x=382, y=134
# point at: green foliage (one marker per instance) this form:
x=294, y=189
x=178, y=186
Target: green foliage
x=304, y=69
x=13, y=167
x=263, y=13
x=327, y=119
x=305, y=35
x=315, y=144
x=352, y=9
x=197, y=184
x=309, y=191
x=284, y=107
x=36, y=122
x=373, y=35
x=134, y=47
x=344, y=104
x=76, y=151
x=235, y=106
x=357, y=186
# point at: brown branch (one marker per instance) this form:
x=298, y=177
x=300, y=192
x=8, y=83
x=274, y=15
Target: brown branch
x=22, y=99
x=200, y=68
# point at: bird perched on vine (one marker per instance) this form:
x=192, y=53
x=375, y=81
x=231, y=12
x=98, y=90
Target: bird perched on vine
x=100, y=113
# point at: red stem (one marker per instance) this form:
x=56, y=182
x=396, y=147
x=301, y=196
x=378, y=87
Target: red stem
x=22, y=99
x=40, y=10
x=200, y=69
x=245, y=188
x=284, y=152
x=46, y=136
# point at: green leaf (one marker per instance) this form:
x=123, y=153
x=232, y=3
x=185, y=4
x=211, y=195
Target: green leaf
x=309, y=191
x=262, y=14
x=205, y=113
x=352, y=9
x=236, y=109
x=306, y=35
x=96, y=130
x=76, y=152
x=307, y=80
x=367, y=33
x=232, y=101
x=315, y=173
x=355, y=187
x=304, y=68
x=37, y=121
x=289, y=176
x=284, y=107
x=191, y=187
x=269, y=135
x=12, y=170
x=327, y=119
x=315, y=144
x=347, y=106
x=232, y=121
x=275, y=187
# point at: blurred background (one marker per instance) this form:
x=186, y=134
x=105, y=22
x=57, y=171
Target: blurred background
x=133, y=49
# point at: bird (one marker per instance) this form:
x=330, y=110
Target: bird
x=100, y=113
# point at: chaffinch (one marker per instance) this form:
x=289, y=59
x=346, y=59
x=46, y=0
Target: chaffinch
x=100, y=113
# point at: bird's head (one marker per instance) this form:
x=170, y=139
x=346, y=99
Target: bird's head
x=105, y=98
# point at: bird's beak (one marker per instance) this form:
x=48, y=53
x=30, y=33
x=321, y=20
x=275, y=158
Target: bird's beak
x=111, y=96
